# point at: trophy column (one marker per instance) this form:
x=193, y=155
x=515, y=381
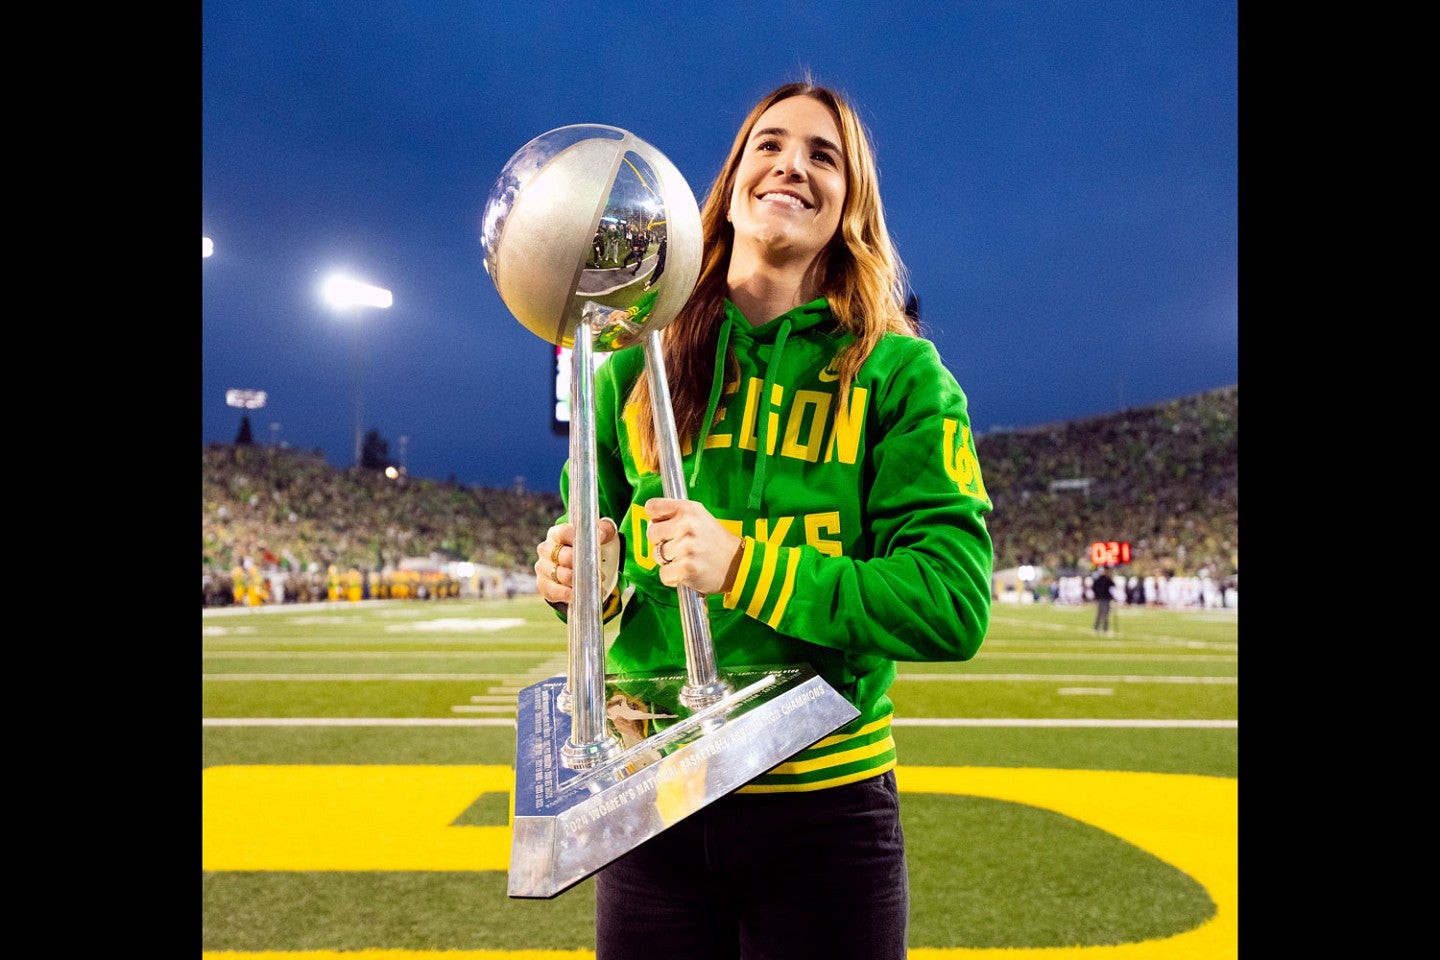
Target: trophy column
x=589, y=743
x=705, y=686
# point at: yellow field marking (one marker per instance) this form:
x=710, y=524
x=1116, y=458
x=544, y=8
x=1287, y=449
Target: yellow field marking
x=1190, y=822
x=378, y=954
x=350, y=818
x=398, y=818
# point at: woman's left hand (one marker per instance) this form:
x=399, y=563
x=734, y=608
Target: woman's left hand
x=691, y=548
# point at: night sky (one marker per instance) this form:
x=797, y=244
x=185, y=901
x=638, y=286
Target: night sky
x=1060, y=180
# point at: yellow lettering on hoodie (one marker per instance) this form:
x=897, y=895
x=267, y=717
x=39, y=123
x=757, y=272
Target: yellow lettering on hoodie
x=722, y=439
x=818, y=523
x=845, y=434
x=752, y=409
x=782, y=528
x=960, y=462
x=632, y=434
x=808, y=413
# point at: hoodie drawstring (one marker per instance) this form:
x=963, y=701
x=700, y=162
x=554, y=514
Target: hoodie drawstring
x=717, y=384
x=762, y=438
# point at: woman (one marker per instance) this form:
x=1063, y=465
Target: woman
x=840, y=523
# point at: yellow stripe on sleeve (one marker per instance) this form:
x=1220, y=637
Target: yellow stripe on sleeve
x=792, y=563
x=732, y=596
x=762, y=589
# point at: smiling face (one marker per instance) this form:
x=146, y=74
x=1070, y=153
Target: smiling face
x=790, y=183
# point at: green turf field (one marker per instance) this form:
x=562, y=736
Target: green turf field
x=1064, y=795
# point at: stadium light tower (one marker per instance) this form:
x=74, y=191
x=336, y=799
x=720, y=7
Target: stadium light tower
x=346, y=295
x=245, y=400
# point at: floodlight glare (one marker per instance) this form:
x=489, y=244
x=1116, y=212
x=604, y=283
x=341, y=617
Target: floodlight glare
x=341, y=291
x=245, y=399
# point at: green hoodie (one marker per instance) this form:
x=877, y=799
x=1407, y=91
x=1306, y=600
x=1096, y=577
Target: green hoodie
x=865, y=540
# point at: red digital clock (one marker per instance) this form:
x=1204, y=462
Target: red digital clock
x=1108, y=553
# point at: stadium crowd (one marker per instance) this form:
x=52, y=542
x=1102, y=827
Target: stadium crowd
x=1164, y=478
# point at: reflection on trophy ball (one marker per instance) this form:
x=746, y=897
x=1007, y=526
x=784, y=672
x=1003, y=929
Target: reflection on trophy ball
x=541, y=220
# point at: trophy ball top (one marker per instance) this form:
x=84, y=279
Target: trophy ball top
x=589, y=224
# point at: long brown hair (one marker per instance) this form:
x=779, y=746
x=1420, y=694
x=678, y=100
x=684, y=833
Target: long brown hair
x=862, y=278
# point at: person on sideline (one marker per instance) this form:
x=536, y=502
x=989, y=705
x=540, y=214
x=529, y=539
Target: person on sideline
x=1101, y=587
x=834, y=515
x=639, y=243
x=597, y=248
x=659, y=262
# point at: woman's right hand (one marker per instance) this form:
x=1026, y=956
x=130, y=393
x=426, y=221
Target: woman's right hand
x=555, y=560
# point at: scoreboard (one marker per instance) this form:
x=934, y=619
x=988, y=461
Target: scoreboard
x=560, y=380
x=1109, y=553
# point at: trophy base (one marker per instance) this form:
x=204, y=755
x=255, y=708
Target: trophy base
x=567, y=824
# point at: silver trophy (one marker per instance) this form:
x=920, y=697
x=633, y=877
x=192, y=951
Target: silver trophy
x=605, y=762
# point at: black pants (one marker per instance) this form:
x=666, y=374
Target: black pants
x=783, y=876
x=1102, y=616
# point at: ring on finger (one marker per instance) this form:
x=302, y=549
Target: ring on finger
x=660, y=552
x=555, y=572
x=555, y=554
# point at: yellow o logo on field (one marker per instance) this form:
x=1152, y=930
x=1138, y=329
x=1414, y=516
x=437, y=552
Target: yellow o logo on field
x=399, y=818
